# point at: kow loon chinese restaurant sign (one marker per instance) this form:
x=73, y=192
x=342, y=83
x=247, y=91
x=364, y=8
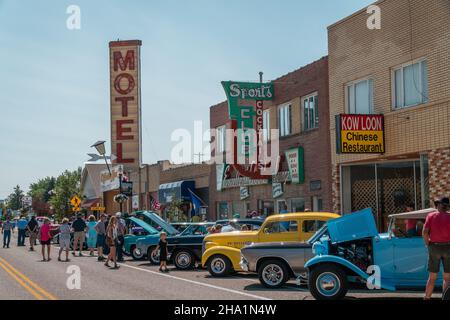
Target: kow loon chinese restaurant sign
x=360, y=133
x=125, y=88
x=245, y=109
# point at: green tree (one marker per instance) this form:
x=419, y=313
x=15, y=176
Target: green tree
x=15, y=199
x=67, y=185
x=41, y=190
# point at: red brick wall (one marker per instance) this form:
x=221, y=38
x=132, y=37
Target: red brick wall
x=439, y=173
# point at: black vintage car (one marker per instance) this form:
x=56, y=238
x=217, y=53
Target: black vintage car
x=185, y=249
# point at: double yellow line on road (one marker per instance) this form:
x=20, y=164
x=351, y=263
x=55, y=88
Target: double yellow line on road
x=25, y=282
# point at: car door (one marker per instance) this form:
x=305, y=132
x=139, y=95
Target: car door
x=410, y=261
x=280, y=231
x=309, y=227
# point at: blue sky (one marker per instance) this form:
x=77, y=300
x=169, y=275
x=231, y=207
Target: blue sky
x=54, y=82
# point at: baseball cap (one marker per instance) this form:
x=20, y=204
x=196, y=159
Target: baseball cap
x=444, y=200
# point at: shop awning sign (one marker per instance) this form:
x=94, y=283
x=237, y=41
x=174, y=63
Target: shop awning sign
x=360, y=133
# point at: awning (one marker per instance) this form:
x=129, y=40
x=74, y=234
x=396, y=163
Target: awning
x=178, y=190
x=88, y=203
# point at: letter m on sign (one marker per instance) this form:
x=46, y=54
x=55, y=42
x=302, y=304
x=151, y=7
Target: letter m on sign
x=125, y=64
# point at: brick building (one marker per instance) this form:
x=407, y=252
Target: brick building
x=305, y=89
x=403, y=72
x=167, y=182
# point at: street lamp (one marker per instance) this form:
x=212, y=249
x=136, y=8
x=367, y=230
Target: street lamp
x=100, y=146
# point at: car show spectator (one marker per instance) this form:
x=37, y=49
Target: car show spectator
x=21, y=231
x=436, y=234
x=100, y=228
x=163, y=252
x=7, y=229
x=111, y=241
x=45, y=239
x=79, y=234
x=33, y=230
x=91, y=235
x=64, y=239
x=121, y=230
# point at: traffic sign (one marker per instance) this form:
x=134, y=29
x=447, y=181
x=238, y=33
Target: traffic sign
x=75, y=201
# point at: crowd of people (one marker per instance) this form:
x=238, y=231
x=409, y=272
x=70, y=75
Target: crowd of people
x=105, y=235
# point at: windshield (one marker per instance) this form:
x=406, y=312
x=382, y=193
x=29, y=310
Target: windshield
x=318, y=234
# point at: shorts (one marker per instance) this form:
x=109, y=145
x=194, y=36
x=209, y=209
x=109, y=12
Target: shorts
x=100, y=240
x=436, y=254
x=64, y=243
x=79, y=236
x=46, y=242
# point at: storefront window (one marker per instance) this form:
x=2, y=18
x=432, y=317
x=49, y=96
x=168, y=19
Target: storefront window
x=267, y=207
x=222, y=210
x=298, y=205
x=386, y=187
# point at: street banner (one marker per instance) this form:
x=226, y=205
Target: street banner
x=125, y=88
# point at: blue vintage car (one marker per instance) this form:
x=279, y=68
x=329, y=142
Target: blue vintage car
x=184, y=249
x=137, y=228
x=350, y=249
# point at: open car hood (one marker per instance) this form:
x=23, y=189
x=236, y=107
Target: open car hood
x=354, y=226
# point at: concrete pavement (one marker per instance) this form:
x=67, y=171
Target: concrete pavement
x=25, y=277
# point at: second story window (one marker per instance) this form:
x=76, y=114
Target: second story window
x=310, y=112
x=284, y=120
x=360, y=96
x=410, y=84
x=266, y=125
x=221, y=139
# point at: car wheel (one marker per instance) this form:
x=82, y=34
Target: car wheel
x=328, y=282
x=153, y=257
x=273, y=273
x=219, y=265
x=136, y=254
x=184, y=260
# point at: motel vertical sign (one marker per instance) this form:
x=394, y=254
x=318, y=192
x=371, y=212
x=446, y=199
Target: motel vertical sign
x=125, y=88
x=360, y=133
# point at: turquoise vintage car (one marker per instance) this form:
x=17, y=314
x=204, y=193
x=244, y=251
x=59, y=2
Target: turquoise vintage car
x=155, y=221
x=350, y=249
x=137, y=228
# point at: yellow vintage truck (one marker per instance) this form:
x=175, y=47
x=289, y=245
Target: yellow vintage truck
x=221, y=252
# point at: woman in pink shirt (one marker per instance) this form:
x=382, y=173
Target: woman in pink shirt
x=45, y=239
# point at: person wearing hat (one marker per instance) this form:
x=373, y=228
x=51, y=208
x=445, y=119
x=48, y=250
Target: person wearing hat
x=121, y=227
x=100, y=227
x=436, y=234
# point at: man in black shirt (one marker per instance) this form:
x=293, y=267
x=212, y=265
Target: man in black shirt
x=33, y=229
x=79, y=234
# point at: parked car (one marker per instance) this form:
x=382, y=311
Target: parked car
x=137, y=228
x=222, y=251
x=184, y=249
x=237, y=224
x=155, y=221
x=181, y=226
x=277, y=262
x=351, y=244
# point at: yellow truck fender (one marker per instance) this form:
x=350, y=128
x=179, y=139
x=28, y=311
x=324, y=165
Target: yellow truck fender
x=231, y=253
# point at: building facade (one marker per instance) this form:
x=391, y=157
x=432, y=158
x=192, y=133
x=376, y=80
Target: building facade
x=300, y=110
x=400, y=71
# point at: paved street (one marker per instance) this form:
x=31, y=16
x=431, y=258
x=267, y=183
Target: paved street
x=25, y=277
